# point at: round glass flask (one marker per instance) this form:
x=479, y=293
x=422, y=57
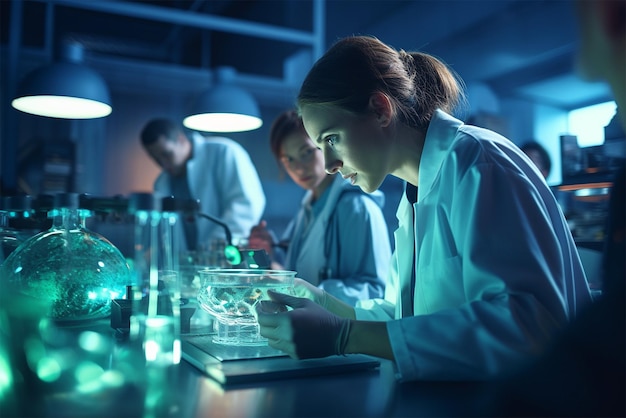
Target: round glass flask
x=76, y=271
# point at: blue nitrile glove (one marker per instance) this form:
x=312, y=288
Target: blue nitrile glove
x=306, y=331
x=305, y=289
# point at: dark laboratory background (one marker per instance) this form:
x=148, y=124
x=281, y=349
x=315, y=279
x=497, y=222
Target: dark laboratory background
x=517, y=58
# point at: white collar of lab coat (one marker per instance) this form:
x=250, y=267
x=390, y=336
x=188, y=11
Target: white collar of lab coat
x=439, y=137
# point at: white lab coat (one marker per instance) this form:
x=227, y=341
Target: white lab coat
x=497, y=270
x=347, y=236
x=222, y=176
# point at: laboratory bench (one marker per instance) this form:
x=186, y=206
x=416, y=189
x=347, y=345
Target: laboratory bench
x=94, y=371
x=373, y=393
x=185, y=391
x=370, y=393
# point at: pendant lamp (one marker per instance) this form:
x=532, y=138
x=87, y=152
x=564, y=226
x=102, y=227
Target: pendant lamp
x=65, y=89
x=225, y=107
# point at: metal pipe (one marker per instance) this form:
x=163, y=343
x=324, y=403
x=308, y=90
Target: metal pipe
x=319, y=24
x=204, y=21
x=49, y=31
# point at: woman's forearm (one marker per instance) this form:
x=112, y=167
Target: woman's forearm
x=337, y=306
x=369, y=337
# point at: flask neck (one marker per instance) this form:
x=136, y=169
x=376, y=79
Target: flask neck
x=69, y=219
x=4, y=220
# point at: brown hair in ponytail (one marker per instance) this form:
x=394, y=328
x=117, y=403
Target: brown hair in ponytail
x=355, y=67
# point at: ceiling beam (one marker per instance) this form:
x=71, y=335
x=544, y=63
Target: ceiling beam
x=186, y=18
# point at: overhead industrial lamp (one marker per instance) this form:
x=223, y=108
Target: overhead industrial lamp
x=64, y=89
x=225, y=107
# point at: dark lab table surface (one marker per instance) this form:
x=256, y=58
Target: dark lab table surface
x=370, y=393
x=187, y=392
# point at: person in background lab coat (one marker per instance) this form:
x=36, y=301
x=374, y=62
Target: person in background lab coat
x=539, y=156
x=339, y=239
x=485, y=272
x=216, y=171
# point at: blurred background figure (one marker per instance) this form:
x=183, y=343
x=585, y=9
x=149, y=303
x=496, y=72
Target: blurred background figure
x=538, y=154
x=339, y=239
x=215, y=170
x=584, y=373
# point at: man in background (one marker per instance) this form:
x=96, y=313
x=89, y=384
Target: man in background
x=216, y=171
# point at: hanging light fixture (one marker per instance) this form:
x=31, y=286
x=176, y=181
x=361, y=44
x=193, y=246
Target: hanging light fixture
x=225, y=107
x=65, y=89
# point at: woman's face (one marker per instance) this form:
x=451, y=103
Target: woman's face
x=302, y=160
x=355, y=146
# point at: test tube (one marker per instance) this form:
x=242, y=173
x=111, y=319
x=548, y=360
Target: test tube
x=155, y=319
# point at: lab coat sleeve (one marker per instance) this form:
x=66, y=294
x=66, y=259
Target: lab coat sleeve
x=506, y=255
x=280, y=253
x=161, y=184
x=381, y=309
x=359, y=250
x=242, y=197
x=388, y=308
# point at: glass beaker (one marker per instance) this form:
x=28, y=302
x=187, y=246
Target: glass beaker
x=230, y=295
x=155, y=318
x=191, y=263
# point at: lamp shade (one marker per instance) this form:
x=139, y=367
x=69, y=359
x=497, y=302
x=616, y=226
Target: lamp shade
x=225, y=108
x=67, y=90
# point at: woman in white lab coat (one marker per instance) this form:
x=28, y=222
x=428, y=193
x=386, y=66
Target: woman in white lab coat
x=339, y=239
x=485, y=272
